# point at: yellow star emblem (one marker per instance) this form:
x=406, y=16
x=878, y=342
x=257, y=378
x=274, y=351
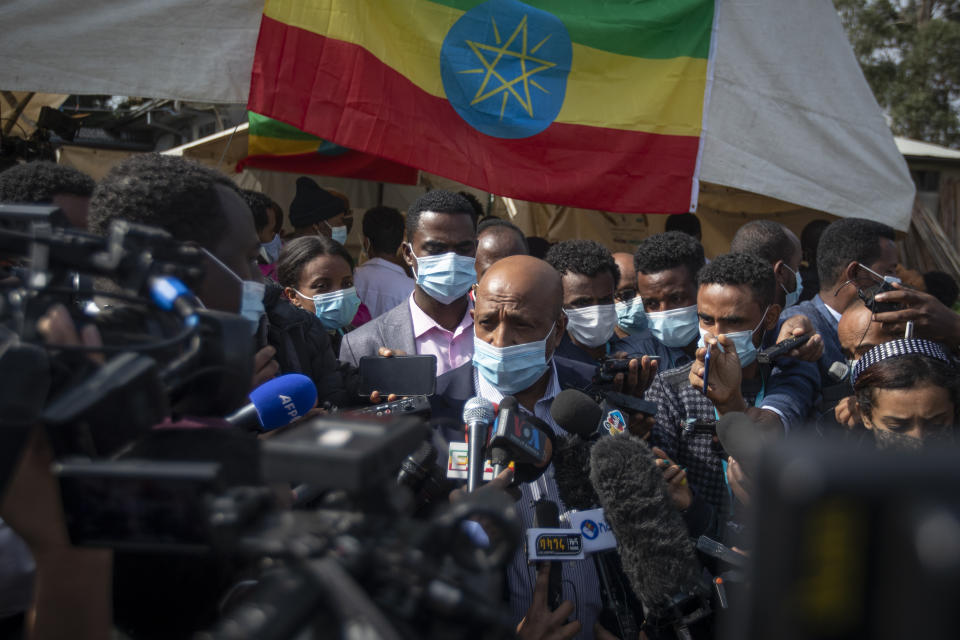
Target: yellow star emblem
x=497, y=53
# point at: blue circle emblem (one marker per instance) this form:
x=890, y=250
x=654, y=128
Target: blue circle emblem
x=589, y=529
x=504, y=66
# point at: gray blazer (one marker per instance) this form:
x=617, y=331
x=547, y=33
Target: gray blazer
x=393, y=329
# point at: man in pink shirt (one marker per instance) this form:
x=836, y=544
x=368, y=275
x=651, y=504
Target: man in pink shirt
x=435, y=319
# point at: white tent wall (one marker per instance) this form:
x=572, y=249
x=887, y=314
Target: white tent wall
x=177, y=49
x=790, y=115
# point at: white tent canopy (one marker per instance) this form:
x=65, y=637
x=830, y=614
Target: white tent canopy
x=790, y=116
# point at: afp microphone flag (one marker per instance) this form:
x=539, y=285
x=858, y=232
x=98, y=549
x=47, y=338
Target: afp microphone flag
x=588, y=104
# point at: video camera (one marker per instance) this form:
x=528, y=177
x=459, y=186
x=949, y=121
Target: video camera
x=164, y=354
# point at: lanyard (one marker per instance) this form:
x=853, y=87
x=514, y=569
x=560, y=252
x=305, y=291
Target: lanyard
x=757, y=401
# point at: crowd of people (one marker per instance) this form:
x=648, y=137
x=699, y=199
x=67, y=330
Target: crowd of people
x=878, y=366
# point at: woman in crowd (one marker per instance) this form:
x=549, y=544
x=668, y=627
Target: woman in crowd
x=316, y=274
x=908, y=393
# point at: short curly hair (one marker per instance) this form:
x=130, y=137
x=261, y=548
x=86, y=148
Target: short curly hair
x=765, y=239
x=438, y=201
x=848, y=240
x=259, y=204
x=585, y=257
x=38, y=182
x=668, y=250
x=169, y=192
x=741, y=269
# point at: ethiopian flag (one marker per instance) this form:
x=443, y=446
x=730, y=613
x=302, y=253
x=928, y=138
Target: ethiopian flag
x=278, y=146
x=585, y=103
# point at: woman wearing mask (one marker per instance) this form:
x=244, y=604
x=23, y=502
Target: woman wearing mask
x=907, y=393
x=316, y=274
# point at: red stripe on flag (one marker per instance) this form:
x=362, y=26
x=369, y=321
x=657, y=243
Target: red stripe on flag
x=342, y=93
x=352, y=164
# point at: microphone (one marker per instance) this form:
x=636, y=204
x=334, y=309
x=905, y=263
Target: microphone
x=524, y=440
x=742, y=438
x=478, y=414
x=658, y=557
x=546, y=515
x=578, y=414
x=276, y=403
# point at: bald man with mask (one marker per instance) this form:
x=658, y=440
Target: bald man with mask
x=858, y=333
x=518, y=307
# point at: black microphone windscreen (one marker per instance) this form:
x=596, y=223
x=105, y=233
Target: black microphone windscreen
x=571, y=471
x=576, y=412
x=658, y=557
x=546, y=514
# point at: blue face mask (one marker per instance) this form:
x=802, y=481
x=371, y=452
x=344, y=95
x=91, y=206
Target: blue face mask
x=676, y=327
x=794, y=296
x=742, y=342
x=445, y=277
x=338, y=234
x=511, y=369
x=335, y=309
x=251, y=296
x=272, y=248
x=630, y=315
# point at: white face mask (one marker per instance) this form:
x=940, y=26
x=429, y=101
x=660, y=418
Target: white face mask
x=592, y=326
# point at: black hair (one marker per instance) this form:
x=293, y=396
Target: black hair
x=585, y=257
x=906, y=372
x=941, y=286
x=169, y=192
x=38, y=182
x=765, y=239
x=498, y=224
x=539, y=247
x=478, y=211
x=437, y=201
x=297, y=253
x=259, y=203
x=848, y=240
x=685, y=223
x=668, y=250
x=741, y=269
x=384, y=227
x=810, y=239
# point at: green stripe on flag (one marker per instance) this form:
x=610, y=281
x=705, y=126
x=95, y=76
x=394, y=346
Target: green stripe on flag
x=269, y=128
x=658, y=29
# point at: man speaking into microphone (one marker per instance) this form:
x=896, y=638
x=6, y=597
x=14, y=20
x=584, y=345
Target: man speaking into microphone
x=518, y=324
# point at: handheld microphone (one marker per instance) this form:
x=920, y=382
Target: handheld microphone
x=478, y=413
x=546, y=515
x=276, y=403
x=523, y=439
x=658, y=558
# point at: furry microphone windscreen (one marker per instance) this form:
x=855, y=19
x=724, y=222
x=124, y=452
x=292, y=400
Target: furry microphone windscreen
x=571, y=472
x=657, y=554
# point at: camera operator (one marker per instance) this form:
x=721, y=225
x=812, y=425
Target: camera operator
x=196, y=204
x=71, y=586
x=49, y=183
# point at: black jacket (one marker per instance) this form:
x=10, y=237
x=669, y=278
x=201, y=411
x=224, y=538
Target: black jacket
x=303, y=346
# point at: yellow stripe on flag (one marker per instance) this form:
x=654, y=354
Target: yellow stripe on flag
x=261, y=145
x=604, y=89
